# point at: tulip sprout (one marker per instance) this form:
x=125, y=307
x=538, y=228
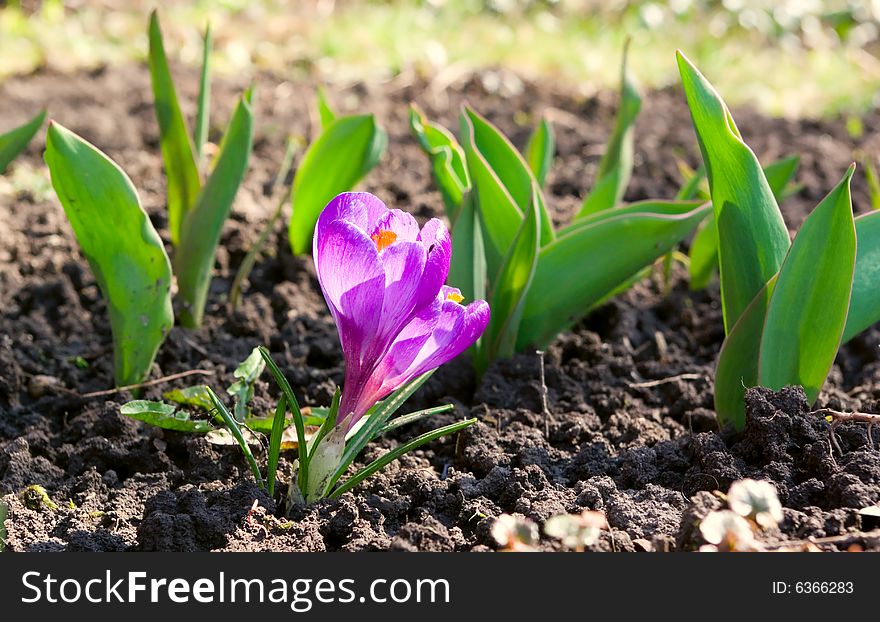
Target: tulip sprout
x=540, y=280
x=787, y=305
x=17, y=139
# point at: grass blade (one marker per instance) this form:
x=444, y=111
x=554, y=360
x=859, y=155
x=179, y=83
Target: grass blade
x=376, y=418
x=235, y=430
x=203, y=112
x=200, y=233
x=16, y=140
x=181, y=169
x=123, y=249
x=325, y=111
x=393, y=455
x=299, y=424
x=279, y=421
x=413, y=417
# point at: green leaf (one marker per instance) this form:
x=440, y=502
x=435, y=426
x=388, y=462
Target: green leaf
x=703, y=254
x=790, y=332
x=203, y=113
x=752, y=238
x=181, y=169
x=540, y=150
x=808, y=309
x=328, y=424
x=122, y=247
x=870, y=175
x=780, y=174
x=704, y=247
x=243, y=389
x=864, y=308
x=394, y=454
x=447, y=161
x=615, y=167
x=376, y=418
x=407, y=419
x=203, y=224
x=737, y=366
x=235, y=430
x=190, y=396
x=502, y=186
x=341, y=156
x=293, y=405
x=510, y=287
x=325, y=111
x=467, y=267
x=279, y=422
x=16, y=140
x=594, y=257
x=164, y=416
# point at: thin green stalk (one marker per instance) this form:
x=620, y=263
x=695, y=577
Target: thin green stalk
x=413, y=417
x=200, y=135
x=278, y=423
x=235, y=430
x=250, y=260
x=393, y=455
x=298, y=422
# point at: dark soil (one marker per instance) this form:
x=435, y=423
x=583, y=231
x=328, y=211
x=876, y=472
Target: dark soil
x=650, y=457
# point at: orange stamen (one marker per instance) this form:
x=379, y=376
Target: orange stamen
x=454, y=297
x=383, y=238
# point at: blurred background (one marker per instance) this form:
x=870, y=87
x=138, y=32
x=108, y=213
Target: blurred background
x=788, y=57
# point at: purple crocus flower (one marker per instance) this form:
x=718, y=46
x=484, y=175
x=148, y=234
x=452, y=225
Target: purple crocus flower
x=383, y=279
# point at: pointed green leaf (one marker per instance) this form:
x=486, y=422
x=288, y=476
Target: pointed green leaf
x=615, y=167
x=780, y=175
x=16, y=140
x=340, y=157
x=325, y=111
x=510, y=287
x=203, y=224
x=447, y=160
x=467, y=268
x=122, y=247
x=234, y=429
x=164, y=416
x=596, y=256
x=394, y=454
x=279, y=422
x=502, y=186
x=203, y=113
x=808, y=309
x=737, y=366
x=540, y=150
x=181, y=169
x=752, y=238
x=864, y=309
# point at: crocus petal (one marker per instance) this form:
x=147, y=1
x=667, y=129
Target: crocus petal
x=361, y=209
x=438, y=243
x=403, y=264
x=457, y=328
x=352, y=278
x=402, y=224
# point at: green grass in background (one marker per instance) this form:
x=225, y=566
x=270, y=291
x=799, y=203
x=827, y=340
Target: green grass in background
x=790, y=57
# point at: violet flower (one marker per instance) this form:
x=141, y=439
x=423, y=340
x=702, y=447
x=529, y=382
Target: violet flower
x=383, y=279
